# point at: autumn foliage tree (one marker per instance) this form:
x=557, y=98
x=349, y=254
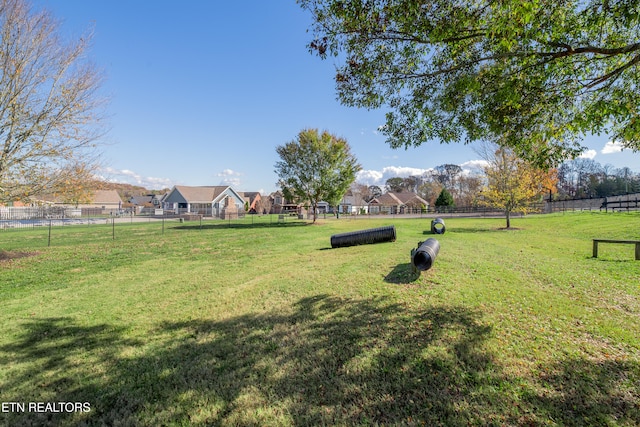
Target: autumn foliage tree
x=50, y=111
x=512, y=183
x=75, y=184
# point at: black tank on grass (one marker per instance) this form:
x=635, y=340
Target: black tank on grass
x=424, y=257
x=364, y=237
x=437, y=226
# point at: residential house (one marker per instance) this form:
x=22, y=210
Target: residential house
x=252, y=201
x=158, y=200
x=397, y=203
x=281, y=205
x=353, y=204
x=105, y=199
x=149, y=201
x=102, y=202
x=141, y=200
x=214, y=201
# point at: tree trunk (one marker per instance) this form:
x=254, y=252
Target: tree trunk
x=508, y=215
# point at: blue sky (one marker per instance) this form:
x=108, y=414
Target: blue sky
x=203, y=91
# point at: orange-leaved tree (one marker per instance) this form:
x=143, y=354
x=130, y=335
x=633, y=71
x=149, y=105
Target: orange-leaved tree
x=513, y=183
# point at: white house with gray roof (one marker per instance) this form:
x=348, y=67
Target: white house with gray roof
x=215, y=201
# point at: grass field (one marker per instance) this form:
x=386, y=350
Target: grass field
x=263, y=324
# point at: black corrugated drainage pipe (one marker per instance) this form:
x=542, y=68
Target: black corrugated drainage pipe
x=364, y=237
x=437, y=226
x=424, y=257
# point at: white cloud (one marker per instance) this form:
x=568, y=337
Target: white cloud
x=231, y=181
x=473, y=166
x=588, y=154
x=230, y=177
x=229, y=172
x=369, y=177
x=403, y=171
x=379, y=177
x=611, y=147
x=374, y=177
x=127, y=176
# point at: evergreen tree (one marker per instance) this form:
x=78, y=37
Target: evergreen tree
x=445, y=199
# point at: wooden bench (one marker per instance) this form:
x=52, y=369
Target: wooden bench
x=629, y=242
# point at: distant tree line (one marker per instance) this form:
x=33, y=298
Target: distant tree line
x=584, y=178
x=462, y=187
x=579, y=178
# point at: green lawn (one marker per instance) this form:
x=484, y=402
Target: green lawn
x=264, y=324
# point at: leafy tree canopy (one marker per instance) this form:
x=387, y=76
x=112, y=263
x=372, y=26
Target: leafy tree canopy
x=395, y=185
x=316, y=166
x=536, y=75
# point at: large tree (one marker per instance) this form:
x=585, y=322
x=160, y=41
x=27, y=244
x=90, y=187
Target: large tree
x=374, y=191
x=49, y=106
x=512, y=183
x=316, y=166
x=536, y=75
x=395, y=184
x=447, y=174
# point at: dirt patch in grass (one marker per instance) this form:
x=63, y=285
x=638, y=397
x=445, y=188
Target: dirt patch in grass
x=9, y=255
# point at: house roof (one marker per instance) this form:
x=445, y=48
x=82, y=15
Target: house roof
x=106, y=196
x=251, y=195
x=353, y=199
x=387, y=199
x=409, y=197
x=205, y=194
x=396, y=199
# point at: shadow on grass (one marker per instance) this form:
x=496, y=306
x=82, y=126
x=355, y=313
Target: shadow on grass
x=402, y=274
x=322, y=361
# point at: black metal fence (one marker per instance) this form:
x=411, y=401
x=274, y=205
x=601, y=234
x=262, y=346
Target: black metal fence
x=12, y=218
x=625, y=202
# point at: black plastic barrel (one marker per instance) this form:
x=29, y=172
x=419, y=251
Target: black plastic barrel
x=364, y=237
x=424, y=257
x=437, y=226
